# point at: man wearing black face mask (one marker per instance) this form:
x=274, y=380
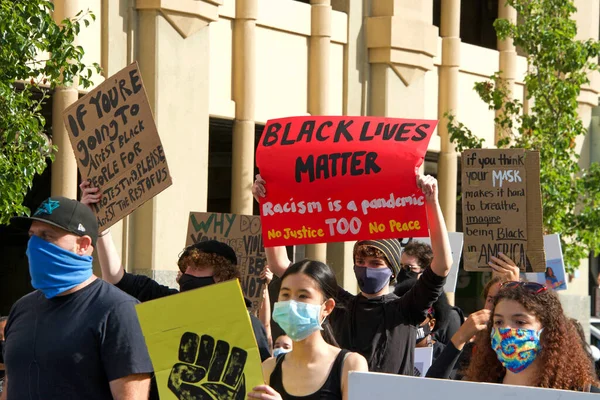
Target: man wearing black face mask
x=200, y=264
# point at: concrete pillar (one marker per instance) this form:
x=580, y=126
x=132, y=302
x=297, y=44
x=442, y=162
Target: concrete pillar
x=448, y=101
x=507, y=57
x=402, y=43
x=318, y=80
x=64, y=167
x=117, y=50
x=176, y=79
x=244, y=92
x=356, y=72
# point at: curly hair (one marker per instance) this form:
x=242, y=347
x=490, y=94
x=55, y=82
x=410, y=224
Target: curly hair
x=421, y=251
x=565, y=363
x=364, y=250
x=194, y=259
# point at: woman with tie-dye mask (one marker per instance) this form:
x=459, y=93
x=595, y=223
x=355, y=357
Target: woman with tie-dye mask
x=530, y=342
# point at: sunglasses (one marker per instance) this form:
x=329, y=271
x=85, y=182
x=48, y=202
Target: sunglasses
x=533, y=287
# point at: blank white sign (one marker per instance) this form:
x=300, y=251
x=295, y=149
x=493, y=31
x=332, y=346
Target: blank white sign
x=368, y=385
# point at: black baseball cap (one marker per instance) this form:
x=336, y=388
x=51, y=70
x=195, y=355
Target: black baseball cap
x=213, y=247
x=68, y=214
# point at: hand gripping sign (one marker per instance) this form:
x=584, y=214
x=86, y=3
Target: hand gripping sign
x=334, y=179
x=208, y=354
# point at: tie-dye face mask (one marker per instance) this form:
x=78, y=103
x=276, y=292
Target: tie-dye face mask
x=516, y=348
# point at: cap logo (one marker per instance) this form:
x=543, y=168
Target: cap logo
x=80, y=228
x=47, y=207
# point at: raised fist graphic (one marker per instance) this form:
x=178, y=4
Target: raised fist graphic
x=207, y=371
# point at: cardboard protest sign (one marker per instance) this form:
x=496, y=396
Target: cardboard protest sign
x=243, y=234
x=334, y=179
x=203, y=354
x=555, y=276
x=456, y=246
x=423, y=360
x=116, y=145
x=369, y=385
x=502, y=209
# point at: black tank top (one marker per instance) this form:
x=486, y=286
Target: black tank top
x=331, y=389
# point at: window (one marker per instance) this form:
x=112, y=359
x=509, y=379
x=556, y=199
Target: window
x=476, y=21
x=220, y=164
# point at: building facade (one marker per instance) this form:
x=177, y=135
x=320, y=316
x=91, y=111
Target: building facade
x=217, y=70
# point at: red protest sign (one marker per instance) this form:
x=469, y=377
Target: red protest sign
x=334, y=179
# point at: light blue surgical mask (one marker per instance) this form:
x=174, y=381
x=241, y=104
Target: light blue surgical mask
x=280, y=351
x=55, y=270
x=298, y=320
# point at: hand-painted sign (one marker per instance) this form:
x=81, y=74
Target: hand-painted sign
x=334, y=179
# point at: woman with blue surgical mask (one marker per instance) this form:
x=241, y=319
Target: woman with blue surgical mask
x=530, y=342
x=316, y=368
x=283, y=344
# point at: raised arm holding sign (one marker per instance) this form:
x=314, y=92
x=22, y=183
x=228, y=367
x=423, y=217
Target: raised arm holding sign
x=117, y=146
x=387, y=347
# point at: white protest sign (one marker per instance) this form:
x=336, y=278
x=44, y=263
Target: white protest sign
x=368, y=385
x=555, y=276
x=456, y=246
x=423, y=360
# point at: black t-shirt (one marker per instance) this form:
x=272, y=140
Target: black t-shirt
x=71, y=347
x=383, y=329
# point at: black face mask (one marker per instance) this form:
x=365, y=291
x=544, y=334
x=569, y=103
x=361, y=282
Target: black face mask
x=189, y=282
x=405, y=274
x=423, y=331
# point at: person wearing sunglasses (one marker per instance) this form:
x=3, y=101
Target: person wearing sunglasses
x=529, y=341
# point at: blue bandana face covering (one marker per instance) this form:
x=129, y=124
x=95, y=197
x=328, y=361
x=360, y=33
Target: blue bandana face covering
x=55, y=270
x=298, y=320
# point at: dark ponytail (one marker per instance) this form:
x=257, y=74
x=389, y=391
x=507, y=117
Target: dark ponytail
x=325, y=279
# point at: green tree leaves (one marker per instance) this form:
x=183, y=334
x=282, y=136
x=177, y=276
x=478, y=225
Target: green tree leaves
x=37, y=53
x=558, y=66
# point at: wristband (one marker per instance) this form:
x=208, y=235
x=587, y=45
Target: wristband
x=104, y=233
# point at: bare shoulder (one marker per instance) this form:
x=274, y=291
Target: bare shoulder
x=267, y=368
x=355, y=362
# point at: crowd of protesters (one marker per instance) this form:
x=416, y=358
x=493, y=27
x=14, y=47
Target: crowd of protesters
x=77, y=335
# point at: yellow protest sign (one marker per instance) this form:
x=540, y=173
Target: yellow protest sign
x=202, y=344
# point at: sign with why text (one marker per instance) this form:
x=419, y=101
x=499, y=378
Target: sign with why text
x=335, y=179
x=502, y=208
x=243, y=234
x=117, y=146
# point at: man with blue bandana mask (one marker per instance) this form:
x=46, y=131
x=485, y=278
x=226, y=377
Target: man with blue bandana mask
x=75, y=336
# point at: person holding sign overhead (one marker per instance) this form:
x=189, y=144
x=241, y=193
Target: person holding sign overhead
x=316, y=368
x=201, y=264
x=376, y=323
